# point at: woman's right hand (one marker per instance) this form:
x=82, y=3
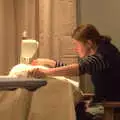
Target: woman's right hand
x=36, y=73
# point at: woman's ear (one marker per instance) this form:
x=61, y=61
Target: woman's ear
x=89, y=44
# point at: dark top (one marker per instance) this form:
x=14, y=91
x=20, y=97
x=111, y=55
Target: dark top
x=104, y=68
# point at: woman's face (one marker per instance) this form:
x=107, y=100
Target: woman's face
x=81, y=48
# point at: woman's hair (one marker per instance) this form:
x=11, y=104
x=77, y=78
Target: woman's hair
x=88, y=32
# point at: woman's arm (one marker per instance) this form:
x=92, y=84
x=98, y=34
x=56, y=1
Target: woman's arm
x=69, y=70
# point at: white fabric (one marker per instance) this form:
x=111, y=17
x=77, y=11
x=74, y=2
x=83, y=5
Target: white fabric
x=21, y=70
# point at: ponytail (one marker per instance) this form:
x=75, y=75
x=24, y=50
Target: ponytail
x=105, y=38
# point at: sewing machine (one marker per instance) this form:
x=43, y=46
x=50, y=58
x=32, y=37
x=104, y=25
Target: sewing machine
x=28, y=50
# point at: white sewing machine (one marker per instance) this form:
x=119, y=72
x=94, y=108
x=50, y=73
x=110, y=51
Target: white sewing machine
x=28, y=50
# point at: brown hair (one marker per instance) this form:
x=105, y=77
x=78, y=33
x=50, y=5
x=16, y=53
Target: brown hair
x=88, y=32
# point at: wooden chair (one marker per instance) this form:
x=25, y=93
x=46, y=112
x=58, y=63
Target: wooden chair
x=109, y=110
x=109, y=113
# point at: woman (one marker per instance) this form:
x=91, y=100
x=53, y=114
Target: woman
x=98, y=57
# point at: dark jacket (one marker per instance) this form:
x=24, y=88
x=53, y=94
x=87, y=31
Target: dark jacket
x=107, y=82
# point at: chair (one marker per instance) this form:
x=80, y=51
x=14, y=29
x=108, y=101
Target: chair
x=109, y=110
x=109, y=113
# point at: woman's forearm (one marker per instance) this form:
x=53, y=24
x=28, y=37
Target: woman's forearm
x=69, y=70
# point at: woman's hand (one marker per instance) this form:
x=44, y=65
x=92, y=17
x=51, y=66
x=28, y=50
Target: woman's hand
x=36, y=73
